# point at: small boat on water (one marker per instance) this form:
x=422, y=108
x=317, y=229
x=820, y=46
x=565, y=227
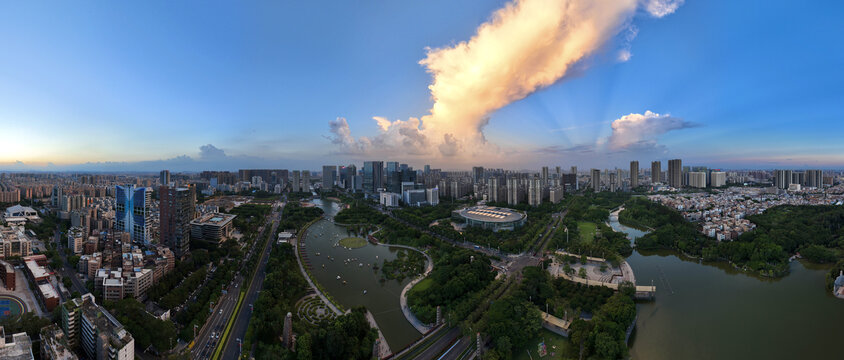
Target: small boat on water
x=338, y=277
x=317, y=254
x=360, y=265
x=344, y=282
x=364, y=292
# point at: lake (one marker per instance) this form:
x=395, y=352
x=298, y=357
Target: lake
x=712, y=311
x=382, y=299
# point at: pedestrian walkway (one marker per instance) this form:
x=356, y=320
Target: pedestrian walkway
x=429, y=266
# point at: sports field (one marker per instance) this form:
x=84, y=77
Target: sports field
x=10, y=305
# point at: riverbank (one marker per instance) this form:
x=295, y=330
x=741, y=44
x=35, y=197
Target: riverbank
x=429, y=267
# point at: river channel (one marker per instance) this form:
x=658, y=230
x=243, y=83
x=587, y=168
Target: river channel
x=382, y=299
x=711, y=311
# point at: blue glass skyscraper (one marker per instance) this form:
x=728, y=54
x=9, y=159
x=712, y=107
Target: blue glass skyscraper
x=133, y=215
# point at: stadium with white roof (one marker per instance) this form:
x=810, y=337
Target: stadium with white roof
x=490, y=217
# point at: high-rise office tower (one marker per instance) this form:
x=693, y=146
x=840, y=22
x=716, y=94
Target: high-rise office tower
x=569, y=182
x=656, y=172
x=133, y=214
x=329, y=176
x=347, y=175
x=675, y=174
x=477, y=174
x=164, y=177
x=614, y=178
x=306, y=180
x=558, y=171
x=427, y=169
x=177, y=209
x=619, y=180
x=392, y=166
x=634, y=174
x=296, y=183
x=544, y=176
x=373, y=175
x=596, y=180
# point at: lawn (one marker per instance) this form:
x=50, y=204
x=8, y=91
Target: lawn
x=423, y=285
x=551, y=340
x=587, y=230
x=353, y=242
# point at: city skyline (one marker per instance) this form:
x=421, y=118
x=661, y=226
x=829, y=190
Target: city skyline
x=268, y=88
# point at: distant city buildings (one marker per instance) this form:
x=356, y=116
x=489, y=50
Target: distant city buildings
x=656, y=172
x=634, y=174
x=596, y=180
x=329, y=176
x=373, y=176
x=675, y=173
x=719, y=178
x=697, y=179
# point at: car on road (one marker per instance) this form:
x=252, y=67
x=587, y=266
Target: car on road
x=221, y=311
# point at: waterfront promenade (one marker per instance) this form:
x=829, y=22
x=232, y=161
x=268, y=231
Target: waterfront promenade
x=429, y=266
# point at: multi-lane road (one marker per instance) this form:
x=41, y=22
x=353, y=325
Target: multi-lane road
x=231, y=349
x=209, y=337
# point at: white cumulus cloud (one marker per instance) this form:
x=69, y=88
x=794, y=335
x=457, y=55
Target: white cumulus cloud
x=661, y=8
x=525, y=46
x=636, y=131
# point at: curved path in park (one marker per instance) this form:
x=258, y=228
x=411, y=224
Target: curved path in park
x=429, y=266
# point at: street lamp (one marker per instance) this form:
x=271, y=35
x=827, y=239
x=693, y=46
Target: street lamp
x=239, y=348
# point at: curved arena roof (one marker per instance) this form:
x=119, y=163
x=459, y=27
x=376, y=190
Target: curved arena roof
x=491, y=214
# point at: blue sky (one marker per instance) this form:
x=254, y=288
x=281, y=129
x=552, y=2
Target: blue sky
x=123, y=86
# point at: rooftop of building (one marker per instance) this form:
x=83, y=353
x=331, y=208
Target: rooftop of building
x=56, y=343
x=15, y=347
x=12, y=233
x=491, y=214
x=48, y=290
x=218, y=219
x=36, y=270
x=106, y=323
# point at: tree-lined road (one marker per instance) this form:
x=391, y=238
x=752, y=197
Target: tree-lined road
x=211, y=333
x=231, y=349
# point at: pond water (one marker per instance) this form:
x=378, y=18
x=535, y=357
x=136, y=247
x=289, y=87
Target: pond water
x=382, y=299
x=712, y=311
